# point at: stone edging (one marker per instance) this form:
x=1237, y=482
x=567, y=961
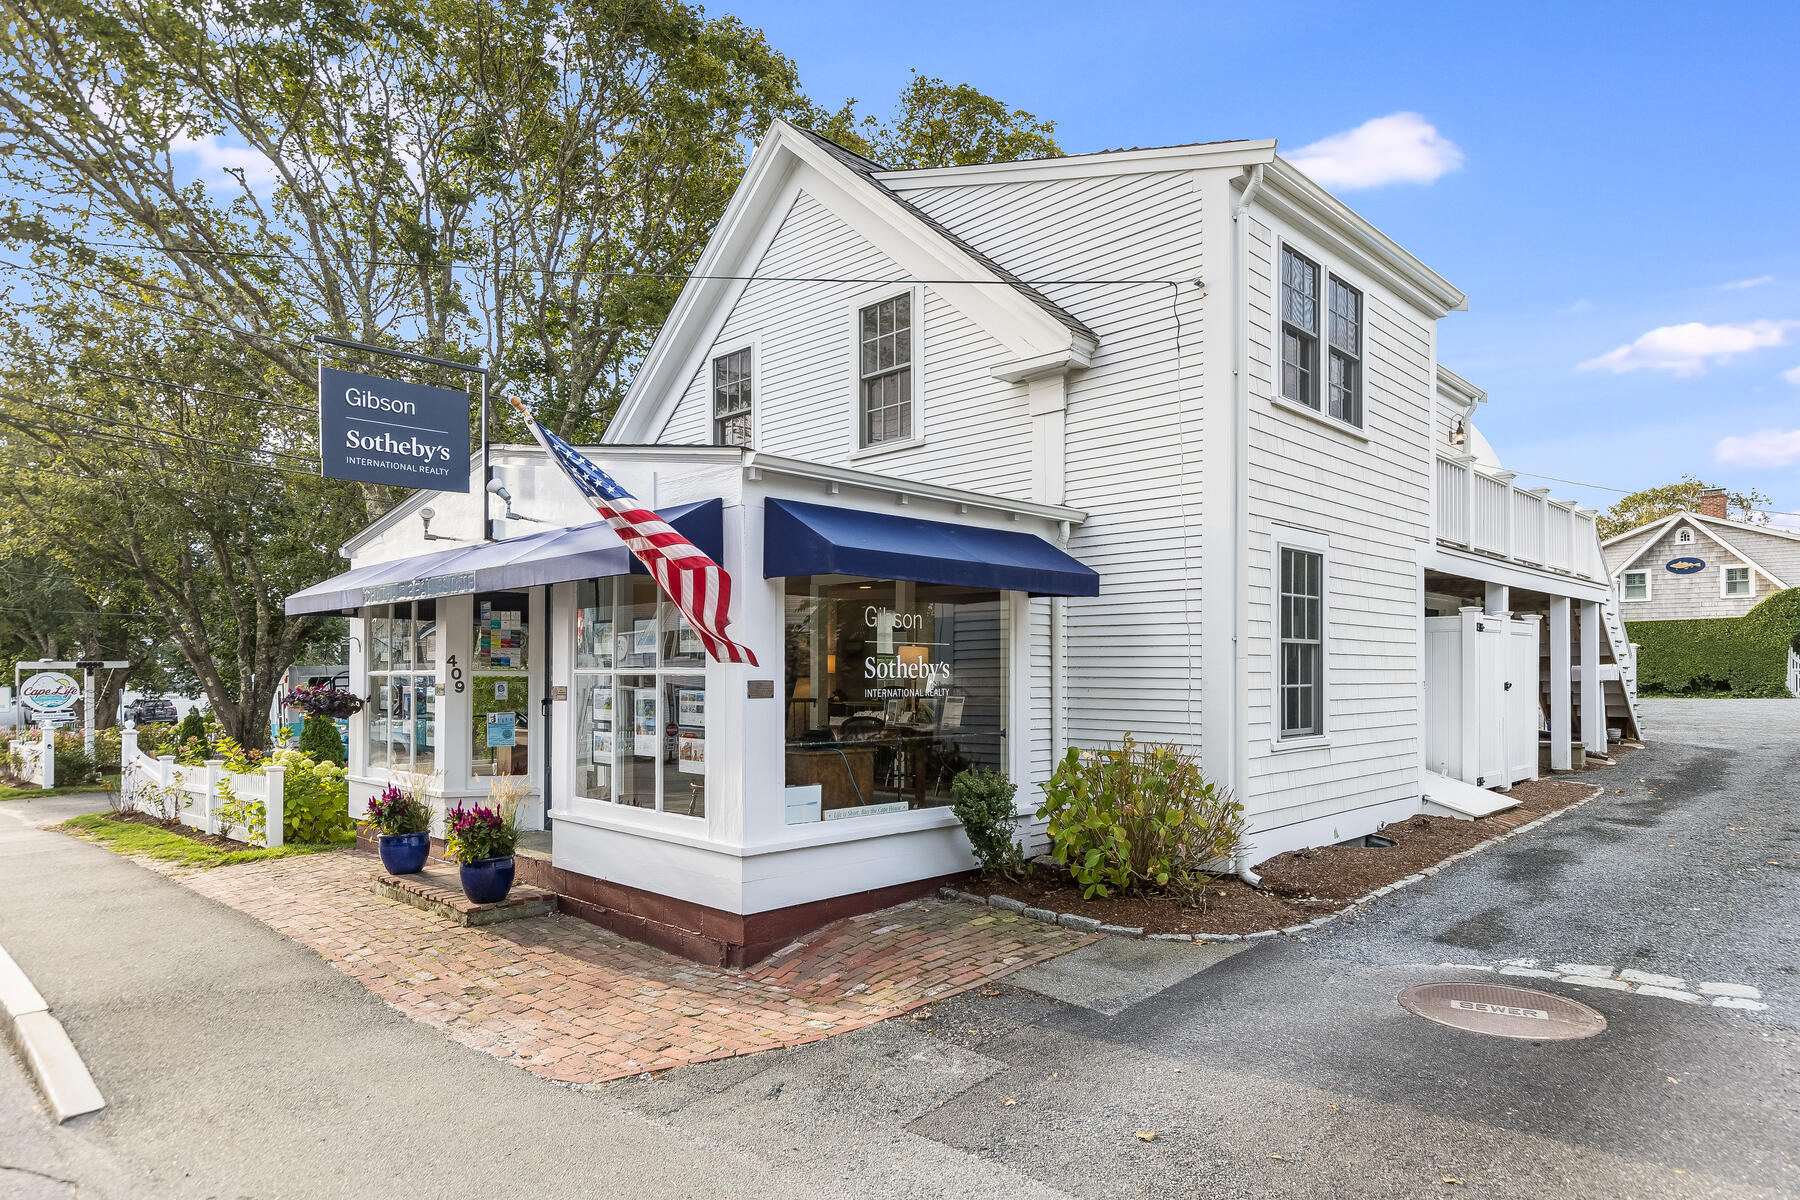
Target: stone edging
x=1090, y=925
x=50, y=1056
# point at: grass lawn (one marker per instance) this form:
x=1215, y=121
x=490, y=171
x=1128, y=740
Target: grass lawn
x=130, y=837
x=28, y=793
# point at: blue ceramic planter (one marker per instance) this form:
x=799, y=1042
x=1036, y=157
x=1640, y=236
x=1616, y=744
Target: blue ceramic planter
x=404, y=853
x=487, y=880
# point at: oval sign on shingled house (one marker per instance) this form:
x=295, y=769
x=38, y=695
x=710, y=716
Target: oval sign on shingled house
x=1686, y=565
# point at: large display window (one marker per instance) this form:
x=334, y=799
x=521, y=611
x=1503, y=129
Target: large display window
x=640, y=689
x=892, y=689
x=401, y=717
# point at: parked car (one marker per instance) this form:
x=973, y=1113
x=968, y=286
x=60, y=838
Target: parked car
x=147, y=711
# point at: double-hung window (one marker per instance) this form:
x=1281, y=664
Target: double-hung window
x=1339, y=392
x=1637, y=585
x=1737, y=581
x=1299, y=329
x=885, y=370
x=1300, y=683
x=732, y=403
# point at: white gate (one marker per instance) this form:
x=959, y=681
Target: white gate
x=1481, y=675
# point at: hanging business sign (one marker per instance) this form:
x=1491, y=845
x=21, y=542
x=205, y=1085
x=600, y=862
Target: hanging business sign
x=385, y=431
x=1686, y=566
x=50, y=693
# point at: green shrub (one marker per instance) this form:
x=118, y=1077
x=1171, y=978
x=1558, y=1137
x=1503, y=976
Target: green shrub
x=1729, y=656
x=1138, y=817
x=984, y=804
x=319, y=738
x=190, y=727
x=73, y=764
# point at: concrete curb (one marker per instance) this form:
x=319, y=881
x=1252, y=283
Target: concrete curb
x=1076, y=921
x=45, y=1046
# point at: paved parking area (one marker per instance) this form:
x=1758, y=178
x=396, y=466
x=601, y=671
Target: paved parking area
x=576, y=1004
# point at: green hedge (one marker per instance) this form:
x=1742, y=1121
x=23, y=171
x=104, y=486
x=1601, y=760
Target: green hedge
x=1729, y=656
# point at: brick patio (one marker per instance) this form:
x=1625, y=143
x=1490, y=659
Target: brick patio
x=576, y=1004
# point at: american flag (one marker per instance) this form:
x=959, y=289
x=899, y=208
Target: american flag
x=699, y=586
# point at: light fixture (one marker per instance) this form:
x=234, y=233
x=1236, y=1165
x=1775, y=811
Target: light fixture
x=426, y=516
x=498, y=490
x=1459, y=434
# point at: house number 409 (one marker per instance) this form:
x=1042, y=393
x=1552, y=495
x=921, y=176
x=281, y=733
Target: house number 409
x=456, y=674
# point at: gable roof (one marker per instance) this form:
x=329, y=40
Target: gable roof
x=869, y=170
x=1700, y=521
x=1020, y=317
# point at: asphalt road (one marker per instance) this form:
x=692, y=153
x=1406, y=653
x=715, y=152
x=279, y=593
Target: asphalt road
x=239, y=1064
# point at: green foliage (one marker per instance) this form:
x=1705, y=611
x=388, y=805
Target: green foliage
x=167, y=845
x=189, y=728
x=1728, y=656
x=478, y=831
x=73, y=764
x=319, y=739
x=1138, y=817
x=940, y=125
x=1653, y=504
x=984, y=804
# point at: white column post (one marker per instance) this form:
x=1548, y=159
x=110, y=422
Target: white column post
x=1498, y=600
x=128, y=744
x=1468, y=503
x=1471, y=708
x=1593, y=704
x=1559, y=684
x=47, y=755
x=87, y=711
x=215, y=771
x=1507, y=542
x=274, y=805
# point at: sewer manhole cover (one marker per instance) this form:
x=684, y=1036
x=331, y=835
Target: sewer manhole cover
x=1502, y=1011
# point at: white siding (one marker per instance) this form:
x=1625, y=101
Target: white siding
x=976, y=431
x=1133, y=428
x=1372, y=500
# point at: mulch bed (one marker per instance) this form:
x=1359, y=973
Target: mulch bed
x=176, y=827
x=1301, y=884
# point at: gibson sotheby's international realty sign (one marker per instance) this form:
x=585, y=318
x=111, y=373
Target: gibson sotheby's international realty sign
x=383, y=431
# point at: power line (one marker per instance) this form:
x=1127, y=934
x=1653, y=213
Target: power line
x=1601, y=487
x=78, y=367
x=237, y=446
x=140, y=445
x=267, y=337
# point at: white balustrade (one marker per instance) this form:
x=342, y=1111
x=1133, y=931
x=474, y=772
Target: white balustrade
x=1485, y=510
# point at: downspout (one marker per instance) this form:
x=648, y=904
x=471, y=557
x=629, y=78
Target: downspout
x=1240, y=504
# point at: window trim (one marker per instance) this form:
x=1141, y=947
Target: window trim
x=1625, y=596
x=853, y=332
x=1287, y=537
x=726, y=349
x=1285, y=242
x=372, y=676
x=1684, y=536
x=1725, y=592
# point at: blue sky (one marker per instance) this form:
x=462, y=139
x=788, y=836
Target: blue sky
x=1621, y=167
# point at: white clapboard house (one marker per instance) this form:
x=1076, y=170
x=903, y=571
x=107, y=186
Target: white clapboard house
x=1003, y=459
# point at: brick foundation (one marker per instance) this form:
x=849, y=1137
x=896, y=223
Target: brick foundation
x=694, y=931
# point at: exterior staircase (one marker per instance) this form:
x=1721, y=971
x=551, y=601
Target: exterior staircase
x=1619, y=677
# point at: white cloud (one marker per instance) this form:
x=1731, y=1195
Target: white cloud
x=1738, y=285
x=1792, y=375
x=1764, y=448
x=215, y=163
x=1785, y=520
x=1402, y=147
x=1580, y=306
x=1689, y=349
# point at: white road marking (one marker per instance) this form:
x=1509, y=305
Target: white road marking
x=1643, y=983
x=1730, y=989
x=1650, y=978
x=1585, y=969
x=1739, y=1002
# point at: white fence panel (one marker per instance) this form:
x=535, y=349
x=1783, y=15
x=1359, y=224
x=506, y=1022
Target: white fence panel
x=1490, y=513
x=1558, y=552
x=1528, y=525
x=191, y=794
x=1453, y=500
x=1794, y=671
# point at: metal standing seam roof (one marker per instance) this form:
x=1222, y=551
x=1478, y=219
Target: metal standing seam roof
x=868, y=170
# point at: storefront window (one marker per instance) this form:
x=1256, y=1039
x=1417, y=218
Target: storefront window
x=500, y=684
x=402, y=687
x=892, y=689
x=641, y=699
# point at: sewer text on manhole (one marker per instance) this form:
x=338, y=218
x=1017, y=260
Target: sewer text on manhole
x=1502, y=1011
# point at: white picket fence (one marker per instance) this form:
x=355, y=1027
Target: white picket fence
x=1794, y=671
x=39, y=757
x=162, y=787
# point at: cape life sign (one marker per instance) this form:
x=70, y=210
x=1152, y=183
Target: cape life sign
x=50, y=694
x=384, y=431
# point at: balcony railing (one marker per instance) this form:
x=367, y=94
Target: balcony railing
x=1483, y=510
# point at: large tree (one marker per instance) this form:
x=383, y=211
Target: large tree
x=1653, y=504
x=936, y=124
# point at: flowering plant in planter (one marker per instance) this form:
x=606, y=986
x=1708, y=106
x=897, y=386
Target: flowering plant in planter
x=323, y=700
x=480, y=832
x=396, y=811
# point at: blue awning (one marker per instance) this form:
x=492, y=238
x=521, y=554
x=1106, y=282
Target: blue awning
x=816, y=539
x=554, y=556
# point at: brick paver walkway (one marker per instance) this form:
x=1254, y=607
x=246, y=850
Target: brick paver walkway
x=575, y=1003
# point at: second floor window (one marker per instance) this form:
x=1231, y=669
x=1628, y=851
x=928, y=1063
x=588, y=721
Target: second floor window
x=1299, y=329
x=731, y=399
x=1637, y=585
x=884, y=370
x=1345, y=399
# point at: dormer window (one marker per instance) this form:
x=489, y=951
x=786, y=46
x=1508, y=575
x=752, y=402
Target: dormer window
x=732, y=401
x=1684, y=538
